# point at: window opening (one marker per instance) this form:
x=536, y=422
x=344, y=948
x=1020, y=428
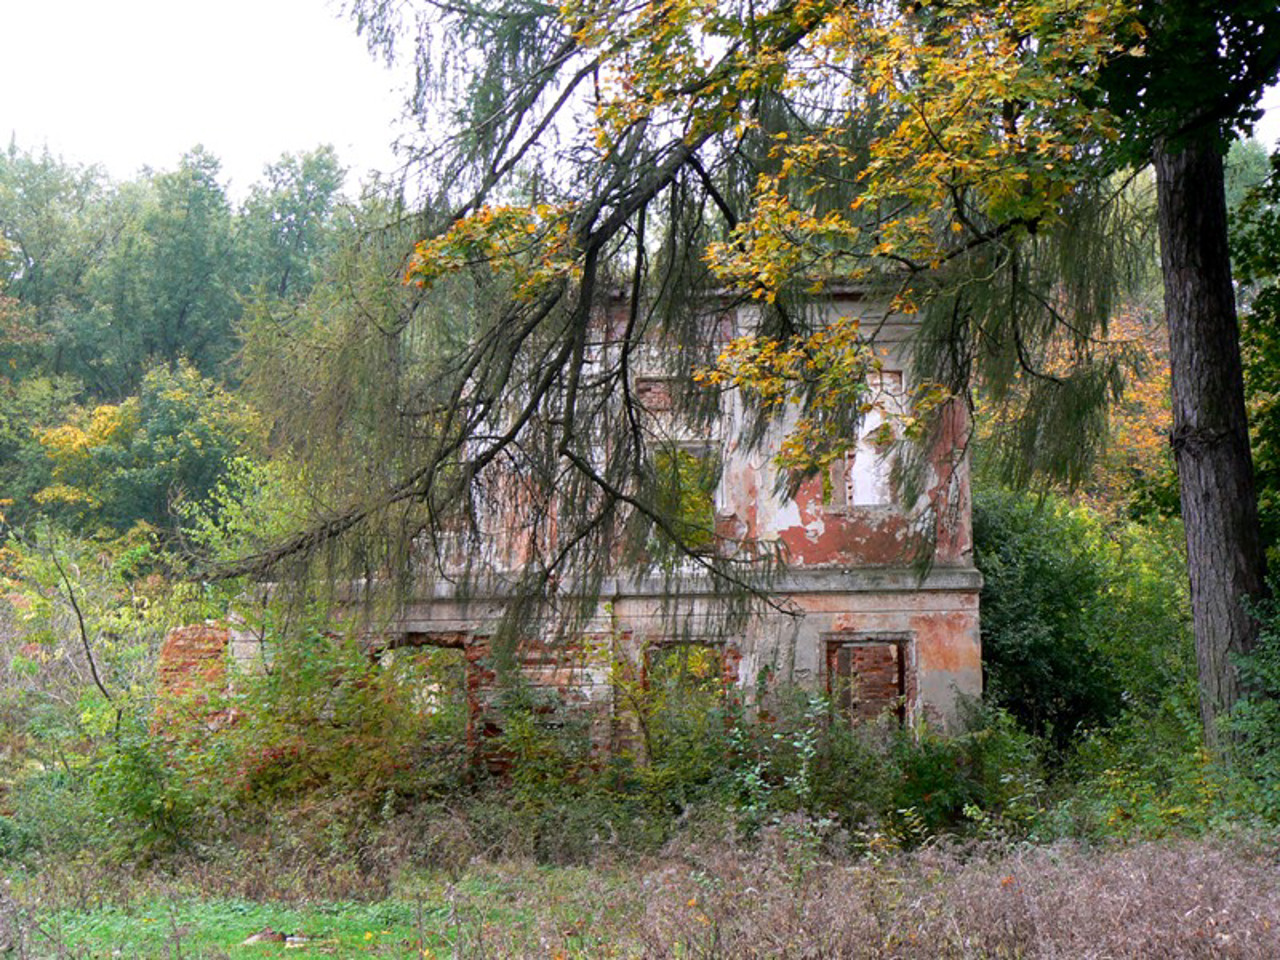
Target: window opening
x=867, y=469
x=687, y=477
x=684, y=694
x=869, y=675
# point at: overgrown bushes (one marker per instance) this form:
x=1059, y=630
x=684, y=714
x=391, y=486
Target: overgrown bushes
x=343, y=745
x=1090, y=729
x=1083, y=622
x=1255, y=723
x=1087, y=643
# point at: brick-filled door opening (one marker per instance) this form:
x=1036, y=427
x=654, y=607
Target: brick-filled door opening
x=869, y=676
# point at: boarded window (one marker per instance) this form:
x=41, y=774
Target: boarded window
x=655, y=394
x=868, y=675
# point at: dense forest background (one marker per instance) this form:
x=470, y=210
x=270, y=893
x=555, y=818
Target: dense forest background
x=186, y=381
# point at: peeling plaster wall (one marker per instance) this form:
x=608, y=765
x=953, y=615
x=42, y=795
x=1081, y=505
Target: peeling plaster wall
x=937, y=615
x=851, y=576
x=818, y=527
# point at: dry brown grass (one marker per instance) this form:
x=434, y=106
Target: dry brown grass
x=783, y=897
x=1207, y=898
x=1210, y=898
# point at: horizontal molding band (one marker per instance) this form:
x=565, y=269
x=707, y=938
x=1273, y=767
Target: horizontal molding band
x=825, y=580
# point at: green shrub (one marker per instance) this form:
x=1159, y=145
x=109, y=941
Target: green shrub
x=1125, y=788
x=16, y=838
x=1087, y=641
x=329, y=719
x=1254, y=725
x=557, y=802
x=146, y=805
x=54, y=809
x=1041, y=616
x=1083, y=622
x=985, y=776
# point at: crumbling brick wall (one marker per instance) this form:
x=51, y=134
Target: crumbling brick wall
x=192, y=656
x=192, y=664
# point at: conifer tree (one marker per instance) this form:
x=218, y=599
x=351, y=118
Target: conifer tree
x=954, y=158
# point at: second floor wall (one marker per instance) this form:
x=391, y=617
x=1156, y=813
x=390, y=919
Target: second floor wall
x=719, y=481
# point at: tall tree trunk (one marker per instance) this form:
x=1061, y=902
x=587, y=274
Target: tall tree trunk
x=1210, y=431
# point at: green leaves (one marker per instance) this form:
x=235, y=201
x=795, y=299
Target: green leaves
x=120, y=464
x=1080, y=622
x=286, y=227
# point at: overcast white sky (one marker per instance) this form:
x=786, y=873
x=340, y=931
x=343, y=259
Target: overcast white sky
x=128, y=83
x=1268, y=130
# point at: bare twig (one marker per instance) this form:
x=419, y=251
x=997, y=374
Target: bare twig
x=84, y=633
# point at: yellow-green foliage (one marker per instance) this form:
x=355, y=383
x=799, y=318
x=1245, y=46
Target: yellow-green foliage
x=686, y=494
x=325, y=718
x=255, y=504
x=85, y=620
x=116, y=464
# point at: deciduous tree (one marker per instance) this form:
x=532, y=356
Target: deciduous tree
x=1195, y=79
x=118, y=464
x=286, y=223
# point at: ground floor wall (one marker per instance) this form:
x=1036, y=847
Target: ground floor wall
x=884, y=645
x=878, y=642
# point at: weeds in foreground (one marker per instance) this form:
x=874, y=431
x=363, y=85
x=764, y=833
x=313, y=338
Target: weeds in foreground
x=783, y=895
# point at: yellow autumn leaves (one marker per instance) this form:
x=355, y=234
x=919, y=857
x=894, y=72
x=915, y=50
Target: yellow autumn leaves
x=978, y=117
x=981, y=123
x=975, y=122
x=531, y=245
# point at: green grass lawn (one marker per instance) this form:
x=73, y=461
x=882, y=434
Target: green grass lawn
x=214, y=928
x=510, y=910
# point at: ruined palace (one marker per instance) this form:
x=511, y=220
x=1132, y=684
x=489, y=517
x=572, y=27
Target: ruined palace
x=855, y=609
x=856, y=612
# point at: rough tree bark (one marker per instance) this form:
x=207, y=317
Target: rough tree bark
x=1210, y=430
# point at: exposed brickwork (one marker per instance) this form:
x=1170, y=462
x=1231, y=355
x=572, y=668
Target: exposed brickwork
x=572, y=675
x=191, y=656
x=192, y=663
x=867, y=676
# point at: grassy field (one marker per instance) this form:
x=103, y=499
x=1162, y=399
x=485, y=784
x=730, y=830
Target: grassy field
x=214, y=928
x=780, y=897
x=493, y=910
